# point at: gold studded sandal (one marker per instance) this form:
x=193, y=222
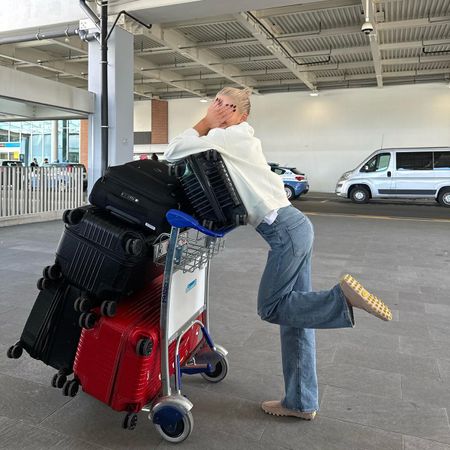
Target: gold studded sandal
x=358, y=297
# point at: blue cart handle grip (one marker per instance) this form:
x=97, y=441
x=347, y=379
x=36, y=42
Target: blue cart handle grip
x=180, y=219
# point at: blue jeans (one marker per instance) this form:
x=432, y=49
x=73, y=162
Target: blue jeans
x=285, y=298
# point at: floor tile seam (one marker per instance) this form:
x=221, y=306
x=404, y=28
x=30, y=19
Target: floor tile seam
x=9, y=374
x=383, y=429
x=209, y=388
x=400, y=373
x=362, y=392
x=382, y=397
x=54, y=412
x=382, y=372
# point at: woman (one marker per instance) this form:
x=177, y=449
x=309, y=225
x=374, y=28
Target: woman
x=284, y=296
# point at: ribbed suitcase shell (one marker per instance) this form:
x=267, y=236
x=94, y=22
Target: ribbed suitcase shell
x=51, y=332
x=92, y=256
x=211, y=192
x=107, y=365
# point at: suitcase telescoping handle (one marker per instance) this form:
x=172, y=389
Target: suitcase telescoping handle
x=180, y=219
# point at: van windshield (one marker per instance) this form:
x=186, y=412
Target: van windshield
x=378, y=163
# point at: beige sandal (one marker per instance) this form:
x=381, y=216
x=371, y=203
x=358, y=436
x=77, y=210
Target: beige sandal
x=358, y=297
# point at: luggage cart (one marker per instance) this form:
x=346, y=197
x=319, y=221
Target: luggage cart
x=186, y=256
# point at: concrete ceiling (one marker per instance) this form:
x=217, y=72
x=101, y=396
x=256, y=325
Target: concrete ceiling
x=196, y=47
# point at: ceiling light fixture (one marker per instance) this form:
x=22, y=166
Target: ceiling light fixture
x=314, y=93
x=204, y=100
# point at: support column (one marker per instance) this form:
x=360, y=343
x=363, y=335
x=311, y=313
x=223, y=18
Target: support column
x=54, y=156
x=120, y=102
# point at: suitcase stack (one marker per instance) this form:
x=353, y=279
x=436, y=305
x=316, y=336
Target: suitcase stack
x=97, y=315
x=104, y=256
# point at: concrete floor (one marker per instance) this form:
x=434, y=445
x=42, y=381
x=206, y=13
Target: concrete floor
x=383, y=385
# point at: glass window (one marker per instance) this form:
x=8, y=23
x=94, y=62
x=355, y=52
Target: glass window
x=442, y=160
x=378, y=163
x=4, y=136
x=414, y=161
x=278, y=171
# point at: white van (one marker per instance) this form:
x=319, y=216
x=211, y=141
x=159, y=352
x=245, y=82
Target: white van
x=400, y=173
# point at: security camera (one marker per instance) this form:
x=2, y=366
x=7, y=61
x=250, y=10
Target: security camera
x=367, y=28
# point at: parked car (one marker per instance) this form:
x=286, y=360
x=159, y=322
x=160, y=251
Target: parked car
x=10, y=163
x=409, y=173
x=295, y=182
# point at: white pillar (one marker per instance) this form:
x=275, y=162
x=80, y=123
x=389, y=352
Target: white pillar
x=54, y=156
x=120, y=102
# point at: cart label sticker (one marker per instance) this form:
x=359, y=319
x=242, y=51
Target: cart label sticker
x=191, y=285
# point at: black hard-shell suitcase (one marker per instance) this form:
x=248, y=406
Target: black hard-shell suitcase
x=104, y=256
x=140, y=192
x=208, y=186
x=52, y=332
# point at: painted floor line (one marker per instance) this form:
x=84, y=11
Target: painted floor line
x=361, y=216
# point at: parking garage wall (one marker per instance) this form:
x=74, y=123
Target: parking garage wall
x=327, y=135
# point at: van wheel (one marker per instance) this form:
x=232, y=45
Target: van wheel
x=444, y=197
x=359, y=195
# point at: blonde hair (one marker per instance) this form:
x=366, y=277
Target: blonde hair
x=240, y=96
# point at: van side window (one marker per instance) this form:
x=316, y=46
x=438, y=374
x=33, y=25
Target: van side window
x=442, y=160
x=414, y=161
x=378, y=163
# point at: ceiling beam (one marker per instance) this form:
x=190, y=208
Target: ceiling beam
x=369, y=11
x=174, y=40
x=260, y=33
x=305, y=8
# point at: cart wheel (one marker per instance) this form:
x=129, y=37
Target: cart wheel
x=144, y=347
x=177, y=431
x=70, y=388
x=130, y=421
x=219, y=371
x=134, y=247
x=108, y=308
x=15, y=351
x=59, y=380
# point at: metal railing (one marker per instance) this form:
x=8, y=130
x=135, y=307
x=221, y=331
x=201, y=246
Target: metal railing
x=27, y=190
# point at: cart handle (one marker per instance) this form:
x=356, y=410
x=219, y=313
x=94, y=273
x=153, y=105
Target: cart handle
x=180, y=219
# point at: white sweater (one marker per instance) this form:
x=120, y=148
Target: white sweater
x=260, y=189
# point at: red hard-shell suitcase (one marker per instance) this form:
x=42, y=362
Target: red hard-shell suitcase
x=119, y=360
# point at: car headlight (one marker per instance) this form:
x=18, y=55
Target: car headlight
x=345, y=176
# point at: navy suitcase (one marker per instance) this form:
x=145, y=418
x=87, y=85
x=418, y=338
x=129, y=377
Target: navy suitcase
x=105, y=257
x=52, y=331
x=140, y=192
x=208, y=186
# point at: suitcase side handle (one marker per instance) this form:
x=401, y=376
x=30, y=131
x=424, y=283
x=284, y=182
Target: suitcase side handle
x=180, y=219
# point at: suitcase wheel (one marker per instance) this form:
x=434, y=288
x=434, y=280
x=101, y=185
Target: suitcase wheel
x=144, y=347
x=43, y=283
x=82, y=304
x=73, y=216
x=70, y=388
x=108, y=308
x=59, y=380
x=15, y=351
x=134, y=247
x=87, y=320
x=52, y=272
x=130, y=421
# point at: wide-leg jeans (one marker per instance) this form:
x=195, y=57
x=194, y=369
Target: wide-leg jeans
x=285, y=297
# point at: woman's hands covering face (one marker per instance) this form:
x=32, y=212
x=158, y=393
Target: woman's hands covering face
x=220, y=113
